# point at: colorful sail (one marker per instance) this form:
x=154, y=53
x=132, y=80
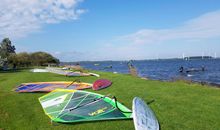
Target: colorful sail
x=101, y=83
x=50, y=86
x=63, y=105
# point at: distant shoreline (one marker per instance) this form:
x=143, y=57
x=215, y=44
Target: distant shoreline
x=192, y=58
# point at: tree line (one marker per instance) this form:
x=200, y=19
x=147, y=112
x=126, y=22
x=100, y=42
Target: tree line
x=9, y=58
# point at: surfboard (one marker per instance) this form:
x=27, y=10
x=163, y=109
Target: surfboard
x=94, y=74
x=143, y=116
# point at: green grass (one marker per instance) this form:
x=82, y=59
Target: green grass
x=177, y=105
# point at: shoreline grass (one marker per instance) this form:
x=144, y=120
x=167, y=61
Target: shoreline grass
x=178, y=105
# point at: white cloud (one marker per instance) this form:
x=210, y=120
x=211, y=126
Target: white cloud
x=167, y=42
x=21, y=17
x=172, y=42
x=203, y=27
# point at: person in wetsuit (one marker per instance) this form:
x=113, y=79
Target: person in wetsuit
x=203, y=68
x=181, y=69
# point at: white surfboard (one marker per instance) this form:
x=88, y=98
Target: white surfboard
x=143, y=116
x=93, y=74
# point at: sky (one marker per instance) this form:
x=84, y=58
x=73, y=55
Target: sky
x=81, y=30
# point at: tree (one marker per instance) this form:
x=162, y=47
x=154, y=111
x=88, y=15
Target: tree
x=43, y=58
x=6, y=48
x=12, y=60
x=24, y=59
x=1, y=62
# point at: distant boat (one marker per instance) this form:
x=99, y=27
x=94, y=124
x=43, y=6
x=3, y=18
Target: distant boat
x=195, y=69
x=191, y=70
x=108, y=67
x=96, y=64
x=198, y=57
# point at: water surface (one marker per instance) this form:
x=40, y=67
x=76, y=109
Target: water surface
x=164, y=69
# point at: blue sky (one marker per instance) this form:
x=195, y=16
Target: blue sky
x=77, y=30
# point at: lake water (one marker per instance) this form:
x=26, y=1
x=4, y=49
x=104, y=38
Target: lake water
x=165, y=69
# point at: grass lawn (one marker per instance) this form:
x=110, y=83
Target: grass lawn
x=177, y=105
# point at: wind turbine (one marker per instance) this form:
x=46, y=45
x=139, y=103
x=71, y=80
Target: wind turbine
x=183, y=56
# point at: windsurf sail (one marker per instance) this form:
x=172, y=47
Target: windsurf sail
x=67, y=106
x=77, y=74
x=101, y=83
x=68, y=72
x=50, y=86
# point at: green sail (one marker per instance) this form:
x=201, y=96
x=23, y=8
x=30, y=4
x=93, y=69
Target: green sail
x=63, y=105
